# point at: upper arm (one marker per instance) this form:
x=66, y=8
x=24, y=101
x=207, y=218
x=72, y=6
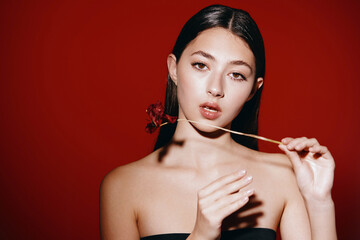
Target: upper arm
x=294, y=222
x=117, y=215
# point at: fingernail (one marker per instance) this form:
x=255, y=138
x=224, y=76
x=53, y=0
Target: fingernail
x=248, y=178
x=242, y=172
x=249, y=192
x=245, y=200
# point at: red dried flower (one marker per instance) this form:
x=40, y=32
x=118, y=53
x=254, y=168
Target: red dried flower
x=157, y=115
x=150, y=127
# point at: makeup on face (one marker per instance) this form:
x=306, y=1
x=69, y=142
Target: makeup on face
x=215, y=77
x=210, y=110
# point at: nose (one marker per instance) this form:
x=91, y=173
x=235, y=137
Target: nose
x=215, y=87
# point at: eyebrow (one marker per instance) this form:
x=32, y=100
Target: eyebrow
x=204, y=54
x=211, y=57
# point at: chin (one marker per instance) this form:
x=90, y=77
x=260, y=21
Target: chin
x=205, y=129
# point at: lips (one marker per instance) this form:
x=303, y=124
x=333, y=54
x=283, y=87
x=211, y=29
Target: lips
x=210, y=110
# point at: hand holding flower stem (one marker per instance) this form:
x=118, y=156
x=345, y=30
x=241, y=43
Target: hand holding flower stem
x=314, y=167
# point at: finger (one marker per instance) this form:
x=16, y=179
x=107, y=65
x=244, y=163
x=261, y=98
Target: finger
x=235, y=205
x=292, y=155
x=229, y=199
x=229, y=189
x=220, y=182
x=286, y=140
x=294, y=142
x=305, y=144
x=322, y=150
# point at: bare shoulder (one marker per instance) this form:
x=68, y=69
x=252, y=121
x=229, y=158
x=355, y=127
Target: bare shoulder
x=274, y=183
x=129, y=176
x=128, y=183
x=294, y=223
x=280, y=177
x=280, y=168
x=120, y=195
x=272, y=169
x=277, y=163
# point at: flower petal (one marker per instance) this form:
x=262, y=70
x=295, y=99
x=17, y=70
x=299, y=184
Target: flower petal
x=170, y=119
x=157, y=115
x=150, y=127
x=156, y=112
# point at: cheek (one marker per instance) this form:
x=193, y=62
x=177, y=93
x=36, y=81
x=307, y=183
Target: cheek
x=189, y=86
x=187, y=94
x=238, y=96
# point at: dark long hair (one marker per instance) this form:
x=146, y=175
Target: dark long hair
x=241, y=24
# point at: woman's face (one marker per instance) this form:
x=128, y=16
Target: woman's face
x=215, y=77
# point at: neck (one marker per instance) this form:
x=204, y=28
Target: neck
x=200, y=149
x=189, y=131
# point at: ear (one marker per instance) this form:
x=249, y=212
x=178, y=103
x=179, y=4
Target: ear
x=258, y=84
x=171, y=64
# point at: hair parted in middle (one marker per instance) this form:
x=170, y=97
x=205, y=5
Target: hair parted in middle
x=242, y=25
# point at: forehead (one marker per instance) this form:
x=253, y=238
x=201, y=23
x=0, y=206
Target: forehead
x=223, y=44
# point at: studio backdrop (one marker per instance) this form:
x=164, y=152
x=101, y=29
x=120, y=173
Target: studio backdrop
x=77, y=76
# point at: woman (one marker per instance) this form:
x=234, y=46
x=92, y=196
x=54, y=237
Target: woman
x=200, y=183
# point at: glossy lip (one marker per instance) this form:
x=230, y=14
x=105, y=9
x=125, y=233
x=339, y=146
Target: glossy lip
x=209, y=114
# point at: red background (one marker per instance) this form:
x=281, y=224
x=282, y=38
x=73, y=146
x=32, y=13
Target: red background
x=77, y=76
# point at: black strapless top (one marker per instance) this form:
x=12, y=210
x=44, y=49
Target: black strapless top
x=243, y=234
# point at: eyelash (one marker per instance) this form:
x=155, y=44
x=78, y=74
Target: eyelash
x=196, y=66
x=242, y=77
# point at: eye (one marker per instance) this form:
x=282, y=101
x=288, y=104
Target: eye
x=237, y=76
x=199, y=66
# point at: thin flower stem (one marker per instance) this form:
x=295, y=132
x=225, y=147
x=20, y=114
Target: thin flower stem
x=164, y=124
x=227, y=130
